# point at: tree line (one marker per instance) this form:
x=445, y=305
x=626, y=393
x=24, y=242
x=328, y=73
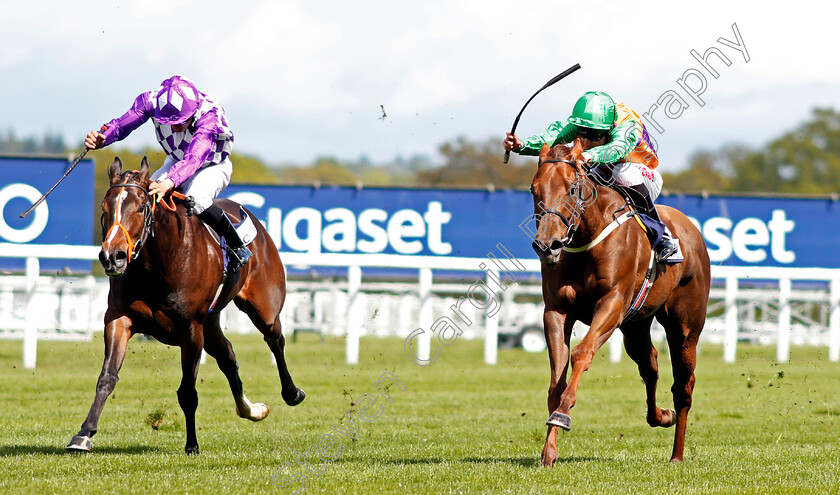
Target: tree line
x=802, y=160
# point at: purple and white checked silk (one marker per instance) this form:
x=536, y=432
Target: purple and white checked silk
x=207, y=140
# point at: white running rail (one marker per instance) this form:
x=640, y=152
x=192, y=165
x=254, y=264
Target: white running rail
x=761, y=304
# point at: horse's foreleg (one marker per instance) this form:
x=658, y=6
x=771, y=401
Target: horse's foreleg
x=219, y=347
x=187, y=396
x=558, y=332
x=639, y=347
x=117, y=333
x=604, y=323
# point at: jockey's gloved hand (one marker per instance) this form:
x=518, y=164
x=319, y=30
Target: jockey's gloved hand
x=512, y=143
x=94, y=140
x=587, y=164
x=160, y=189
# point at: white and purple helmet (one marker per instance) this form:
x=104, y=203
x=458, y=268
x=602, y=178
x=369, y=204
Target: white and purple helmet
x=177, y=101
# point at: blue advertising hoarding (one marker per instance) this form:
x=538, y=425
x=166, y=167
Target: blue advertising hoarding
x=66, y=217
x=745, y=231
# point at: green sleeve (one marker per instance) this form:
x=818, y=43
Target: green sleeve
x=557, y=133
x=623, y=140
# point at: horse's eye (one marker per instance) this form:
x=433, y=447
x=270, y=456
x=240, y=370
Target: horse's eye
x=532, y=190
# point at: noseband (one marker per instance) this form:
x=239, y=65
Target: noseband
x=148, y=222
x=570, y=208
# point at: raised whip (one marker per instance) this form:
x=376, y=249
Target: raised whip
x=549, y=83
x=41, y=200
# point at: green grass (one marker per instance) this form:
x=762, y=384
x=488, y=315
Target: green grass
x=460, y=427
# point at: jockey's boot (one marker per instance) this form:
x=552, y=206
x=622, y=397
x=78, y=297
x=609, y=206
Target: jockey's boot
x=219, y=221
x=666, y=246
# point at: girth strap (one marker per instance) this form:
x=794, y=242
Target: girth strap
x=641, y=297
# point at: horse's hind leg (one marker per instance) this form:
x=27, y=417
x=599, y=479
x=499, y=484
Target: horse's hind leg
x=219, y=347
x=117, y=333
x=187, y=396
x=682, y=343
x=641, y=350
x=272, y=332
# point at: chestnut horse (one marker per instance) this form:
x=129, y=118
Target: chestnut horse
x=596, y=281
x=165, y=269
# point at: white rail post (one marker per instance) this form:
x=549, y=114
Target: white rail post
x=424, y=314
x=30, y=332
x=616, y=341
x=834, y=322
x=730, y=329
x=491, y=323
x=783, y=346
x=355, y=318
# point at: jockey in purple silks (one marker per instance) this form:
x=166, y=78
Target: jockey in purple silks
x=194, y=133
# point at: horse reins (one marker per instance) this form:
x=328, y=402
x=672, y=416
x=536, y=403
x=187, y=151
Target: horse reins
x=148, y=217
x=575, y=196
x=574, y=202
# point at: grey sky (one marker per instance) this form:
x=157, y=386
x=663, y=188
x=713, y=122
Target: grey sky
x=305, y=79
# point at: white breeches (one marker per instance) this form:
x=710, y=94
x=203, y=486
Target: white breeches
x=204, y=186
x=633, y=174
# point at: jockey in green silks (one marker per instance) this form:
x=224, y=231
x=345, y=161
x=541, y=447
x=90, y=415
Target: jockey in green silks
x=615, y=140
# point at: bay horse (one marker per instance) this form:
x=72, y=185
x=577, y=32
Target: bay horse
x=593, y=278
x=165, y=270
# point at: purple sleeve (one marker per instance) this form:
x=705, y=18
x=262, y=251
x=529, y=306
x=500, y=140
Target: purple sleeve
x=199, y=150
x=141, y=111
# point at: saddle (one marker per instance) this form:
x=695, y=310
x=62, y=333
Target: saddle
x=244, y=227
x=647, y=215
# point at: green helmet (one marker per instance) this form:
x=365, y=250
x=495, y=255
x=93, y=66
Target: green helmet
x=594, y=110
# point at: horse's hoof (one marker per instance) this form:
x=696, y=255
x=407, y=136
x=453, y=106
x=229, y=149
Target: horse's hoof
x=191, y=450
x=548, y=459
x=673, y=418
x=258, y=411
x=667, y=418
x=255, y=412
x=79, y=443
x=298, y=398
x=560, y=420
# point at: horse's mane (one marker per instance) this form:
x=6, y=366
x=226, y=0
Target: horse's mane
x=572, y=152
x=564, y=151
x=129, y=175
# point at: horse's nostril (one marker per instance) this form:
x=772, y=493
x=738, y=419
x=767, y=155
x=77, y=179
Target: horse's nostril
x=120, y=255
x=556, y=245
x=103, y=258
x=539, y=247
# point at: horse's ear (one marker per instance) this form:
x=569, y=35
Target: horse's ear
x=577, y=149
x=115, y=170
x=544, y=151
x=144, y=170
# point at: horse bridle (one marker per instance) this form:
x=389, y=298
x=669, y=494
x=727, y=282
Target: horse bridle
x=148, y=222
x=574, y=203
